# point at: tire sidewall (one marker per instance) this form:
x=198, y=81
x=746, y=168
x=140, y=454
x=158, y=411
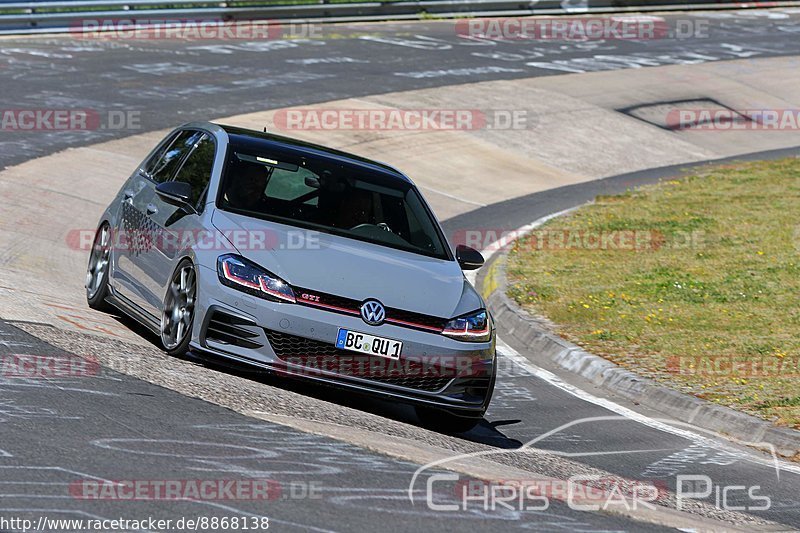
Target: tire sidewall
x=98, y=301
x=181, y=349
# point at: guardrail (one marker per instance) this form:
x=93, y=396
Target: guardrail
x=59, y=16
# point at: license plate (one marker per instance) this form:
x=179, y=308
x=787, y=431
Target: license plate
x=369, y=344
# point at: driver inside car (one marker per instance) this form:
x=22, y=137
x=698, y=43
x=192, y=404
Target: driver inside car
x=355, y=209
x=247, y=190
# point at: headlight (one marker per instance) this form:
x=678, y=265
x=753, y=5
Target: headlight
x=474, y=327
x=241, y=274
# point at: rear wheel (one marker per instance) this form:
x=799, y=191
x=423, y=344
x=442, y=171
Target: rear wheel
x=178, y=314
x=439, y=420
x=97, y=272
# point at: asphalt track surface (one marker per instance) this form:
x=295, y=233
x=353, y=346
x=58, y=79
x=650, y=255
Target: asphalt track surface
x=169, y=82
x=115, y=427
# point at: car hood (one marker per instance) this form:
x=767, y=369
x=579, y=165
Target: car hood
x=350, y=268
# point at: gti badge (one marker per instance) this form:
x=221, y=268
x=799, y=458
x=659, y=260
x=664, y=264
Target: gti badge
x=373, y=312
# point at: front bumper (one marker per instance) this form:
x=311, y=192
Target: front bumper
x=298, y=341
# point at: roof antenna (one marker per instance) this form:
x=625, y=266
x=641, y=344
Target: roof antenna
x=265, y=129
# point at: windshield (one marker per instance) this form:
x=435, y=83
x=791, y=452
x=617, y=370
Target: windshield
x=325, y=195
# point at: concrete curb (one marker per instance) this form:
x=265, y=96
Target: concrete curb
x=534, y=333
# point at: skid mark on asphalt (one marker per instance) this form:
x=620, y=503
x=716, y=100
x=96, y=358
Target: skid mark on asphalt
x=682, y=460
x=10, y=408
x=296, y=459
x=24, y=483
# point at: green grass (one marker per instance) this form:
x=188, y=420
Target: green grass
x=718, y=282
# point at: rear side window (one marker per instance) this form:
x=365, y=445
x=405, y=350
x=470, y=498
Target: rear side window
x=197, y=167
x=152, y=162
x=161, y=169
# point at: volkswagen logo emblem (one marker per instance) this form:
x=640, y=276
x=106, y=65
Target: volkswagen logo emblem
x=373, y=312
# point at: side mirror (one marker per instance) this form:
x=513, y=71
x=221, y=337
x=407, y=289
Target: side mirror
x=468, y=258
x=177, y=193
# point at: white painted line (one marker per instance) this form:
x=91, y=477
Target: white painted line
x=16, y=344
x=510, y=237
x=664, y=425
x=545, y=375
x=451, y=196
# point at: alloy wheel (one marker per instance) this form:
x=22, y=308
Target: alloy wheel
x=176, y=320
x=98, y=262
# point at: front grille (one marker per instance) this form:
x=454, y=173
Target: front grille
x=340, y=304
x=419, y=320
x=228, y=329
x=317, y=357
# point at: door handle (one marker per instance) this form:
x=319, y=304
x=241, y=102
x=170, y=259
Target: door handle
x=151, y=209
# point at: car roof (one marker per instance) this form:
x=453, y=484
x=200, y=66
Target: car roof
x=306, y=148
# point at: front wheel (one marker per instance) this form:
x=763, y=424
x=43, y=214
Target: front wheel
x=442, y=421
x=178, y=314
x=97, y=271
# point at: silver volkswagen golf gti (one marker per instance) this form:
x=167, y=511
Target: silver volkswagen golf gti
x=301, y=260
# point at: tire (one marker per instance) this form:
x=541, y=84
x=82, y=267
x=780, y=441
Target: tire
x=97, y=270
x=177, y=317
x=444, y=422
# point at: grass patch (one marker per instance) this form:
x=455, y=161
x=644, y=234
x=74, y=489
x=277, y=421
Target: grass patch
x=696, y=285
